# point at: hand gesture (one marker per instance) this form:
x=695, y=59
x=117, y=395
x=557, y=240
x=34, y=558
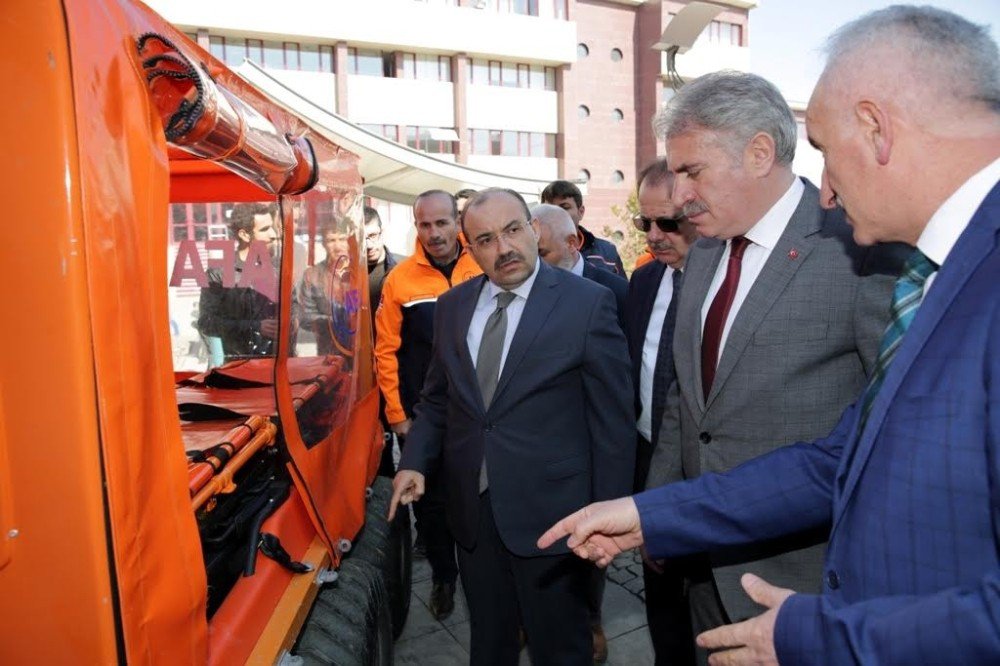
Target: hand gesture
x=751, y=641
x=401, y=428
x=407, y=486
x=600, y=531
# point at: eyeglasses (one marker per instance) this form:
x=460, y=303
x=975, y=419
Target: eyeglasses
x=668, y=225
x=510, y=234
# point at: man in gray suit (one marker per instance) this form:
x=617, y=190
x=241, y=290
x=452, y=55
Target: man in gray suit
x=778, y=323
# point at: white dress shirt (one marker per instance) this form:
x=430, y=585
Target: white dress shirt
x=954, y=215
x=763, y=236
x=650, y=350
x=577, y=268
x=485, y=306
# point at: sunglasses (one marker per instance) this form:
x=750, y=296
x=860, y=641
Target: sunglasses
x=668, y=225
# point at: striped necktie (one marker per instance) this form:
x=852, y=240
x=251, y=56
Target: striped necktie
x=906, y=298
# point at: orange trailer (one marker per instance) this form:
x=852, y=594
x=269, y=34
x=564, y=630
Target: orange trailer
x=184, y=479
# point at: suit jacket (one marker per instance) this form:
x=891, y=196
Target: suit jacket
x=912, y=573
x=558, y=433
x=616, y=283
x=639, y=304
x=799, y=351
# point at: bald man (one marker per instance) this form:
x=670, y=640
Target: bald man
x=559, y=246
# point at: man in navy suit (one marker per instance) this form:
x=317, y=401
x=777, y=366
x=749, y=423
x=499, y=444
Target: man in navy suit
x=651, y=308
x=527, y=411
x=907, y=115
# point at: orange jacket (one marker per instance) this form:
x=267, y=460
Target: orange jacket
x=644, y=259
x=404, y=325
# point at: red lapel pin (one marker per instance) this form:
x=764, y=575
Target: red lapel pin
x=793, y=254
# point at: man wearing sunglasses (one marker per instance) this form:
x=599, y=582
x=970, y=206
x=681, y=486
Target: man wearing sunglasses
x=650, y=308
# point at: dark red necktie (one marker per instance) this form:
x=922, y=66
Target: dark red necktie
x=715, y=322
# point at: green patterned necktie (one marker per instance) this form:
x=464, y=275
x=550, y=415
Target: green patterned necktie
x=906, y=298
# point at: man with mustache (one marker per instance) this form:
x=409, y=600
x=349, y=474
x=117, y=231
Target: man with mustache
x=907, y=116
x=527, y=410
x=778, y=324
x=403, y=342
x=651, y=315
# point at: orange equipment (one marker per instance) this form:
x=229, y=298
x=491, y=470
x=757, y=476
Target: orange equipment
x=128, y=151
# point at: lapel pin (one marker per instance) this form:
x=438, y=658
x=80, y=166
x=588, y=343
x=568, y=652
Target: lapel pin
x=793, y=254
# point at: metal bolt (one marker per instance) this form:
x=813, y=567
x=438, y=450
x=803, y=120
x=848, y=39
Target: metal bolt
x=369, y=492
x=13, y=533
x=344, y=545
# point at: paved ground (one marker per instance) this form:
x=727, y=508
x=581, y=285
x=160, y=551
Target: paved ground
x=428, y=642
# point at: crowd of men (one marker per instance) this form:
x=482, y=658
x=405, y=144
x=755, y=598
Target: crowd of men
x=800, y=434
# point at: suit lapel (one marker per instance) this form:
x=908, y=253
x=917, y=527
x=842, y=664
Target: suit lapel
x=541, y=300
x=652, y=285
x=769, y=285
x=466, y=308
x=973, y=246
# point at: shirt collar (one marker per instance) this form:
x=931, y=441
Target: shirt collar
x=769, y=228
x=577, y=268
x=954, y=215
x=522, y=290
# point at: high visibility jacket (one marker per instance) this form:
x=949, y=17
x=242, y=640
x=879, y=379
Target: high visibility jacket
x=404, y=325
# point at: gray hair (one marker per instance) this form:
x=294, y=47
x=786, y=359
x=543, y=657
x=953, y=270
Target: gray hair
x=957, y=56
x=555, y=218
x=733, y=103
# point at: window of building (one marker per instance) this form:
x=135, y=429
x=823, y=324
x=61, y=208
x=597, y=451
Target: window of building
x=369, y=62
x=616, y=55
x=584, y=176
x=512, y=143
x=425, y=66
x=617, y=176
x=617, y=115
x=582, y=51
x=271, y=54
x=388, y=131
x=423, y=138
x=511, y=74
x=583, y=111
x=724, y=32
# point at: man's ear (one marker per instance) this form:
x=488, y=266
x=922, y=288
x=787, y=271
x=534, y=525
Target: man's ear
x=534, y=224
x=574, y=241
x=877, y=128
x=582, y=209
x=760, y=153
x=243, y=236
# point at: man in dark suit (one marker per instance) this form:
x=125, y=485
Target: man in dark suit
x=651, y=312
x=527, y=410
x=559, y=246
x=906, y=482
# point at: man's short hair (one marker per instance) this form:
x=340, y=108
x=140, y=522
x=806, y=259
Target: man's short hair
x=736, y=105
x=562, y=189
x=655, y=173
x=241, y=217
x=371, y=215
x=956, y=57
x=467, y=193
x=487, y=194
x=555, y=218
x=434, y=193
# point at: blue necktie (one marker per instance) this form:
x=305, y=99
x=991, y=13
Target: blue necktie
x=906, y=298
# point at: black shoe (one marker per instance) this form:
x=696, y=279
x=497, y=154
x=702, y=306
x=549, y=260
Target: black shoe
x=419, y=548
x=442, y=600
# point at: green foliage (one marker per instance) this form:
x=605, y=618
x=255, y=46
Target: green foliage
x=632, y=242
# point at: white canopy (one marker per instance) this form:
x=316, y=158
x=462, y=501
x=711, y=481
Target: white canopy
x=391, y=171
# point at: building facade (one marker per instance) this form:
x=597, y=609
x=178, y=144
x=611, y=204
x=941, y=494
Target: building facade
x=539, y=89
